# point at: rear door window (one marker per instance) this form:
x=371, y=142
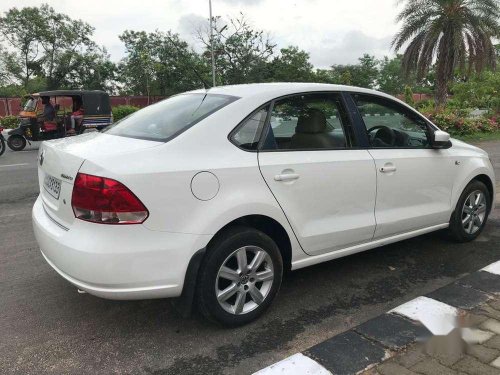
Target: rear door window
x=167, y=119
x=307, y=122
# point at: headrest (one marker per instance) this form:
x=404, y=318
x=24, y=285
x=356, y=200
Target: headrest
x=311, y=121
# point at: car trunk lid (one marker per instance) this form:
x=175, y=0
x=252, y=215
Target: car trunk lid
x=59, y=162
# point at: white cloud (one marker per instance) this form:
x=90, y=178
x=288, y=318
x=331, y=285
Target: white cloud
x=348, y=48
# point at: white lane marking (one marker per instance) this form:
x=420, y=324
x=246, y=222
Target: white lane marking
x=476, y=336
x=297, y=364
x=437, y=317
x=13, y=165
x=493, y=268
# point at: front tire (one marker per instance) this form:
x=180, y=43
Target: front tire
x=471, y=213
x=16, y=142
x=239, y=277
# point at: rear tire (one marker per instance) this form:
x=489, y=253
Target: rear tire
x=471, y=213
x=16, y=142
x=239, y=277
x=2, y=146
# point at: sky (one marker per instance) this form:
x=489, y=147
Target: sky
x=332, y=31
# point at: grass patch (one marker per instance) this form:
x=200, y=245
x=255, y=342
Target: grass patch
x=479, y=137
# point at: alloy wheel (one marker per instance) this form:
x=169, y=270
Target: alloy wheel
x=474, y=212
x=244, y=280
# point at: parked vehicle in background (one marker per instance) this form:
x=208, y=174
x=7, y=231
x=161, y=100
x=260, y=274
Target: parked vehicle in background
x=87, y=109
x=213, y=195
x=2, y=142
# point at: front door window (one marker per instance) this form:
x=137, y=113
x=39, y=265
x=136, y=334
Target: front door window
x=390, y=124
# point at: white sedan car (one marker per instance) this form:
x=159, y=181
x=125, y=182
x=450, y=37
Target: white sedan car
x=212, y=195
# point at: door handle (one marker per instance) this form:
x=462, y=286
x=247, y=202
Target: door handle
x=388, y=169
x=286, y=177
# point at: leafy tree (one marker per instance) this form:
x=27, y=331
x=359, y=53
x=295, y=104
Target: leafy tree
x=8, y=67
x=49, y=50
x=454, y=32
x=62, y=37
x=136, y=69
x=480, y=91
x=91, y=69
x=391, y=78
x=367, y=73
x=21, y=29
x=160, y=64
x=178, y=68
x=324, y=76
x=363, y=74
x=241, y=53
x=346, y=78
x=291, y=66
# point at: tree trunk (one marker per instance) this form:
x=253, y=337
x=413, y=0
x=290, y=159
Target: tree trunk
x=441, y=94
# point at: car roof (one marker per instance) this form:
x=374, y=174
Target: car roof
x=282, y=88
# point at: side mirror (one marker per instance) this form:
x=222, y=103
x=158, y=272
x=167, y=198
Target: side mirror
x=440, y=139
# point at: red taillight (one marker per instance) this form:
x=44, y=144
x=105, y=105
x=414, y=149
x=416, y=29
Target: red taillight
x=106, y=201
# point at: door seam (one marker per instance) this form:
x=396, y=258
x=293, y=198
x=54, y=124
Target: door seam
x=282, y=210
x=376, y=194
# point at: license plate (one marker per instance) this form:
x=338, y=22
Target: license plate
x=52, y=185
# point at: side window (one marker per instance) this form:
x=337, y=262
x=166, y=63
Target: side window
x=307, y=122
x=247, y=135
x=391, y=125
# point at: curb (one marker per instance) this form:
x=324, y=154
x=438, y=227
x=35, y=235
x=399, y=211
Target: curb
x=367, y=345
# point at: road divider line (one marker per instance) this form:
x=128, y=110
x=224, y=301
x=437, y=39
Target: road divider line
x=13, y=165
x=438, y=317
x=296, y=364
x=493, y=268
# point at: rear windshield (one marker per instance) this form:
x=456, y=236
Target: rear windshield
x=167, y=119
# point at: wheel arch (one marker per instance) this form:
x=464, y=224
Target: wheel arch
x=473, y=169
x=267, y=225
x=485, y=179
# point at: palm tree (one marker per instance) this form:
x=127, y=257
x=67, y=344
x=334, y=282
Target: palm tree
x=452, y=33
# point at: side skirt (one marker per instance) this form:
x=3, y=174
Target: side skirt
x=309, y=261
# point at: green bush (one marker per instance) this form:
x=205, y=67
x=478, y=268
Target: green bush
x=425, y=106
x=409, y=96
x=122, y=111
x=9, y=122
x=480, y=91
x=456, y=123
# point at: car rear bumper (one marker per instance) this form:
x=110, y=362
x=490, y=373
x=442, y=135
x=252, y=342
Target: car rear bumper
x=116, y=262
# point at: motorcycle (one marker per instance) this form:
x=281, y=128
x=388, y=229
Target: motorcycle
x=2, y=142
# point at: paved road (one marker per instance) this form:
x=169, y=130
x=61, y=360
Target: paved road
x=47, y=327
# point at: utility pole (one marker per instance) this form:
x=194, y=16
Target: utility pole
x=212, y=43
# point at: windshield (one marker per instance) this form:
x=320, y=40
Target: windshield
x=30, y=105
x=168, y=118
